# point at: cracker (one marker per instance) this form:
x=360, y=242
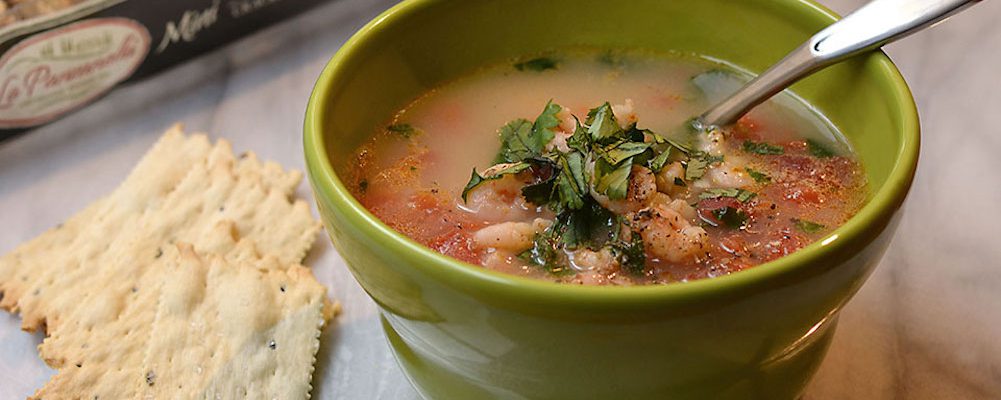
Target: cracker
x=233, y=331
x=95, y=279
x=211, y=194
x=159, y=171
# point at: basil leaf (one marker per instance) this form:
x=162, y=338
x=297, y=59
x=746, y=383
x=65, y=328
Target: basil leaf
x=818, y=150
x=610, y=180
x=758, y=176
x=536, y=64
x=494, y=172
x=762, y=148
x=601, y=123
x=808, y=226
x=404, y=130
x=740, y=194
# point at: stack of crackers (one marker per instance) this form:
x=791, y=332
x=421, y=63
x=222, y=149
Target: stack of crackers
x=182, y=283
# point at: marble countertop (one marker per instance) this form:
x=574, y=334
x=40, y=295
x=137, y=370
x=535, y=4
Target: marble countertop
x=925, y=326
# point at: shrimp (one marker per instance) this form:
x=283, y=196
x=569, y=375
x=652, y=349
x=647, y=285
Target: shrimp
x=499, y=200
x=512, y=236
x=668, y=235
x=642, y=187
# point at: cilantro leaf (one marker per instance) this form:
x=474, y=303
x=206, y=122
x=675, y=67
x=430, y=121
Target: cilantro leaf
x=808, y=226
x=615, y=153
x=542, y=129
x=601, y=123
x=631, y=254
x=611, y=180
x=698, y=163
x=818, y=150
x=494, y=172
x=731, y=217
x=521, y=139
x=541, y=190
x=758, y=176
x=580, y=140
x=536, y=64
x=740, y=194
x=762, y=148
x=657, y=163
x=404, y=130
x=546, y=251
x=517, y=142
x=571, y=184
x=590, y=227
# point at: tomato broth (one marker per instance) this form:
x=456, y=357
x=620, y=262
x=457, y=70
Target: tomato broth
x=610, y=183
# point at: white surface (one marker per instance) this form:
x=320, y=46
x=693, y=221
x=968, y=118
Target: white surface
x=925, y=326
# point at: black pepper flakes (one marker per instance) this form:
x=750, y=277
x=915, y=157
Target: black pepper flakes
x=150, y=378
x=272, y=345
x=159, y=253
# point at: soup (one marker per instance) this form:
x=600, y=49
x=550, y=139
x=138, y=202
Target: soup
x=585, y=168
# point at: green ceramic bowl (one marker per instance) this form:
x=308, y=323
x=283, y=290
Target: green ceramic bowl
x=462, y=332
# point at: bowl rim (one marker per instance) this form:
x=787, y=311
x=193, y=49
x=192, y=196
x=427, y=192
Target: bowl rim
x=503, y=287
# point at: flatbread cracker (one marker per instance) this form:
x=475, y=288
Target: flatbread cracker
x=95, y=280
x=233, y=331
x=159, y=171
x=119, y=297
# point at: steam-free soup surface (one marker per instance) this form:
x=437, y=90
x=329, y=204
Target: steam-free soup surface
x=588, y=171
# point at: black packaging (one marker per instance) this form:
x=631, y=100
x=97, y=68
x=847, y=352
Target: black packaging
x=57, y=56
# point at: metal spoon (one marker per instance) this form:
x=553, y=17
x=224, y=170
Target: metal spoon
x=875, y=24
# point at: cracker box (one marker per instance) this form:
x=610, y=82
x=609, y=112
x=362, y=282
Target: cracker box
x=57, y=56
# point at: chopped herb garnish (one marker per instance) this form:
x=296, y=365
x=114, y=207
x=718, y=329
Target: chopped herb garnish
x=818, y=150
x=495, y=172
x=617, y=152
x=404, y=130
x=631, y=255
x=517, y=142
x=542, y=129
x=611, y=59
x=758, y=176
x=698, y=163
x=731, y=217
x=763, y=148
x=598, y=159
x=536, y=64
x=601, y=124
x=611, y=180
x=808, y=226
x=521, y=139
x=571, y=183
x=657, y=163
x=740, y=194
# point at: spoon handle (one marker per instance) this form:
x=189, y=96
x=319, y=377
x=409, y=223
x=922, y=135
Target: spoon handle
x=875, y=24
